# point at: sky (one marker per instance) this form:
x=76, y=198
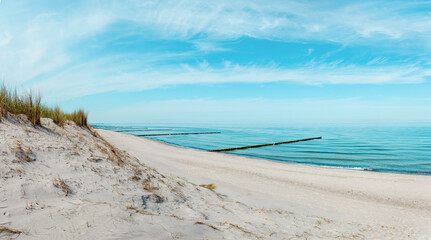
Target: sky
x=221, y=61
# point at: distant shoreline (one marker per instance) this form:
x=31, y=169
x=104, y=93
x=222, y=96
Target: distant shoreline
x=359, y=168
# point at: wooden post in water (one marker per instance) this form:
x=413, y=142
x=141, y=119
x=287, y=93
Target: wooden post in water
x=127, y=130
x=146, y=130
x=168, y=134
x=263, y=145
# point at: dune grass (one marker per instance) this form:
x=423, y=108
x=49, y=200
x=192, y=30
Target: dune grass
x=30, y=104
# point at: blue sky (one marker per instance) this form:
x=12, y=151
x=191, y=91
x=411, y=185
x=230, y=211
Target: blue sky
x=223, y=61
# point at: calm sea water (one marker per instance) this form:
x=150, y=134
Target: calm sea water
x=402, y=149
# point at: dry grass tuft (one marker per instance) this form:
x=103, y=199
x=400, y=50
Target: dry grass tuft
x=206, y=224
x=150, y=186
x=103, y=150
x=9, y=230
x=130, y=207
x=112, y=150
x=59, y=183
x=21, y=155
x=175, y=216
x=241, y=229
x=210, y=186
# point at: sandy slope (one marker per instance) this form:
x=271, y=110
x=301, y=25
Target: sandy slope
x=375, y=205
x=68, y=183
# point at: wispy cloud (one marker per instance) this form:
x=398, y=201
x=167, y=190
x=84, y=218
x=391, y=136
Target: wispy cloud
x=115, y=80
x=286, y=20
x=43, y=46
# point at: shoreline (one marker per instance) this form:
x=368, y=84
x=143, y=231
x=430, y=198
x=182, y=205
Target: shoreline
x=342, y=194
x=364, y=169
x=306, y=165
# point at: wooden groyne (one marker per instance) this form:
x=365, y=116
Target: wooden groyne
x=127, y=130
x=169, y=134
x=263, y=145
x=146, y=130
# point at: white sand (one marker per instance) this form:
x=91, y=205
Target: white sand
x=400, y=204
x=66, y=183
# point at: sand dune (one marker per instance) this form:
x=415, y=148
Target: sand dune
x=69, y=183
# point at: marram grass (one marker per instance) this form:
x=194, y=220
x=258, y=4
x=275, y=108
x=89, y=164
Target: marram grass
x=31, y=105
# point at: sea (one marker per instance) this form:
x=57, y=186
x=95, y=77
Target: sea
x=396, y=148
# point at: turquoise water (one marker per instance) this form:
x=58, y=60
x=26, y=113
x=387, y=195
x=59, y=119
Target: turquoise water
x=401, y=149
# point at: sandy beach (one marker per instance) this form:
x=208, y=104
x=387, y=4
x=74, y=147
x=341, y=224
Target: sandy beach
x=400, y=202
x=73, y=182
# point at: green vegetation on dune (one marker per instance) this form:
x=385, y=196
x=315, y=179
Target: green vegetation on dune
x=31, y=105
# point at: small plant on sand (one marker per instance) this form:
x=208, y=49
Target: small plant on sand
x=23, y=155
x=59, y=183
x=210, y=186
x=180, y=183
x=58, y=117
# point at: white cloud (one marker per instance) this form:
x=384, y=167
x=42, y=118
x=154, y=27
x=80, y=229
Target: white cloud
x=38, y=46
x=283, y=20
x=85, y=80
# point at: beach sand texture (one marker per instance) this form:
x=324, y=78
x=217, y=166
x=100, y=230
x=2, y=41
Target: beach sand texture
x=398, y=203
x=67, y=183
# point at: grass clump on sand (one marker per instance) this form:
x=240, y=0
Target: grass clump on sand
x=210, y=186
x=60, y=118
x=31, y=105
x=28, y=104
